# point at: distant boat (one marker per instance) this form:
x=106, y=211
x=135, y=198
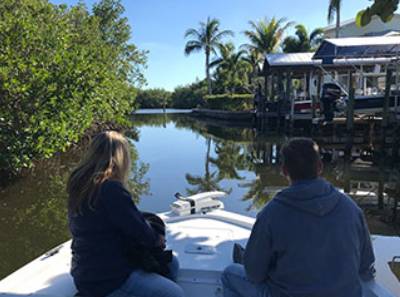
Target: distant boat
x=362, y=105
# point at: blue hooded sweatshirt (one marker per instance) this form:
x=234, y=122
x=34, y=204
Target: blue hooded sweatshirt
x=310, y=241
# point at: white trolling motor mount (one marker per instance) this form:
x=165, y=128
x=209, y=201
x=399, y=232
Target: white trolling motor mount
x=198, y=203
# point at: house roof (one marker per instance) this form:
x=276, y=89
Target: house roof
x=358, y=48
x=350, y=22
x=290, y=59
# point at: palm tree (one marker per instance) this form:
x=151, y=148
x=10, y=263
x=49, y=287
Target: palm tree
x=303, y=42
x=334, y=10
x=209, y=182
x=254, y=59
x=208, y=38
x=229, y=160
x=232, y=69
x=257, y=192
x=266, y=35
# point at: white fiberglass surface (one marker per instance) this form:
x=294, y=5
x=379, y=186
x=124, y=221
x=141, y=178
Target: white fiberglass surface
x=47, y=275
x=385, y=249
x=204, y=243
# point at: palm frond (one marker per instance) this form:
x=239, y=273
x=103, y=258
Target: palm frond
x=193, y=33
x=266, y=35
x=223, y=34
x=332, y=9
x=316, y=32
x=192, y=46
x=216, y=62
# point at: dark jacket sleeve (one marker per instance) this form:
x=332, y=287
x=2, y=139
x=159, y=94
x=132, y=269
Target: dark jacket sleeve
x=258, y=253
x=367, y=270
x=123, y=214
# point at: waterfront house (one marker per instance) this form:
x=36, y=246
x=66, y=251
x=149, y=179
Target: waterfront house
x=376, y=27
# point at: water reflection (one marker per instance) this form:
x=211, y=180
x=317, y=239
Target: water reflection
x=177, y=153
x=33, y=208
x=209, y=182
x=250, y=161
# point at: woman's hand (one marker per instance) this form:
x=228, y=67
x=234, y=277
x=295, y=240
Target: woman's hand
x=162, y=242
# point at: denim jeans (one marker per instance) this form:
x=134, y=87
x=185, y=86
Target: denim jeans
x=144, y=284
x=236, y=284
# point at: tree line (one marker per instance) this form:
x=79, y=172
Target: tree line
x=62, y=71
x=230, y=70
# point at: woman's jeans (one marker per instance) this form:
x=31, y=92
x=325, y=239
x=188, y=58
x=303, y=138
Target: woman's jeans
x=145, y=284
x=236, y=284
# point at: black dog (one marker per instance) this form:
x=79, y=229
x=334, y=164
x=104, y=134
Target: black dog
x=156, y=259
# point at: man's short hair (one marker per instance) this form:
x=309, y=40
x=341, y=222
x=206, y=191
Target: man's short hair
x=300, y=156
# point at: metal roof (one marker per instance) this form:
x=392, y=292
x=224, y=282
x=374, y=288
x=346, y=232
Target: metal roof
x=358, y=48
x=350, y=22
x=290, y=60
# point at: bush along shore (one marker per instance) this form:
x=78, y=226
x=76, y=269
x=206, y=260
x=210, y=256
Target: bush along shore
x=64, y=71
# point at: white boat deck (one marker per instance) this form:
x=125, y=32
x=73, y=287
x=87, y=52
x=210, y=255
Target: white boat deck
x=203, y=244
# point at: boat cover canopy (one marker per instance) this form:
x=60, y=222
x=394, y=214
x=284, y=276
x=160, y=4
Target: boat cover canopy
x=289, y=60
x=358, y=48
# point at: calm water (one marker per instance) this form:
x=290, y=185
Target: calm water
x=177, y=154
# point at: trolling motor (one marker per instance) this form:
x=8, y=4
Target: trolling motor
x=199, y=203
x=330, y=97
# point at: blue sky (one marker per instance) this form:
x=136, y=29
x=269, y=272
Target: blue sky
x=159, y=26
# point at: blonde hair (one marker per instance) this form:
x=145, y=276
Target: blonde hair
x=108, y=157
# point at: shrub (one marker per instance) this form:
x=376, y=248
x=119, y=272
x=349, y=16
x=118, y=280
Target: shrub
x=153, y=98
x=61, y=71
x=189, y=96
x=230, y=102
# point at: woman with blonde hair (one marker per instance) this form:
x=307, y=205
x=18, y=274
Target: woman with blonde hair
x=105, y=223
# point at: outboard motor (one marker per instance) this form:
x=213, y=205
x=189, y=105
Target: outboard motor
x=330, y=96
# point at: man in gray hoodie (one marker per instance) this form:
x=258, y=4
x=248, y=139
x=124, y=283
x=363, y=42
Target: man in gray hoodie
x=310, y=240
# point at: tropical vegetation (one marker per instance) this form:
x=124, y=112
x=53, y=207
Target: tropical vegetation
x=265, y=36
x=62, y=71
x=303, y=41
x=182, y=97
x=229, y=102
x=189, y=96
x=384, y=9
x=334, y=10
x=154, y=98
x=207, y=38
x=232, y=69
x=66, y=69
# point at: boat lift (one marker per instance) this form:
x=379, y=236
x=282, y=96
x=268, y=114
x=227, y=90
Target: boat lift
x=334, y=62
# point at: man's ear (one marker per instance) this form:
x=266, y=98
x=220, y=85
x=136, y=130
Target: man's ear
x=320, y=167
x=284, y=171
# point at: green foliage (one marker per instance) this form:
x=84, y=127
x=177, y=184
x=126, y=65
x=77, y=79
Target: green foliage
x=154, y=98
x=232, y=70
x=303, y=42
x=207, y=38
x=34, y=207
x=189, y=96
x=383, y=8
x=334, y=9
x=61, y=70
x=266, y=35
x=230, y=102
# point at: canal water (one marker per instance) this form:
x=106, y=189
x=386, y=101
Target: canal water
x=174, y=153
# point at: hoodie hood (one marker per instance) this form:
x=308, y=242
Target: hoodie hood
x=315, y=196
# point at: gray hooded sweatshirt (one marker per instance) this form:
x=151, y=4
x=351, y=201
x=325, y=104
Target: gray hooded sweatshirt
x=310, y=241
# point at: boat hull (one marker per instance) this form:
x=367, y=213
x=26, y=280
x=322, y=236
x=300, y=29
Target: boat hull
x=203, y=245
